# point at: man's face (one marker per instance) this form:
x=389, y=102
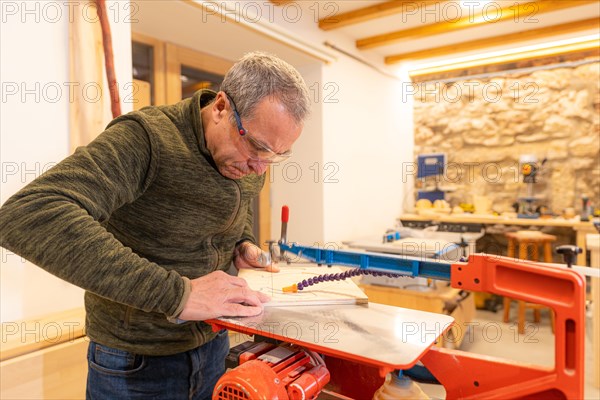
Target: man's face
x=237, y=156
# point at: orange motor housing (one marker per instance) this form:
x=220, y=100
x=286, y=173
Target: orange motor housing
x=284, y=372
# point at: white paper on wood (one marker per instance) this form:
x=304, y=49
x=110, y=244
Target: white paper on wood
x=324, y=293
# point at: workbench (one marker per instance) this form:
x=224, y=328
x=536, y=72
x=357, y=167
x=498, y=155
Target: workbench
x=581, y=229
x=45, y=357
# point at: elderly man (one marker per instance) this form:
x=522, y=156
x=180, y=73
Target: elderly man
x=147, y=218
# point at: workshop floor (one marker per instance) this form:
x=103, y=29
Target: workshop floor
x=490, y=336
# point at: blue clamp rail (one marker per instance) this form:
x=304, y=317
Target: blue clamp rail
x=409, y=266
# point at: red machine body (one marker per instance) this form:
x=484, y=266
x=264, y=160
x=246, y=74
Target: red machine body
x=267, y=371
x=463, y=375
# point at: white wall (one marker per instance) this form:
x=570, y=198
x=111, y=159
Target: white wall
x=367, y=133
x=296, y=183
x=34, y=129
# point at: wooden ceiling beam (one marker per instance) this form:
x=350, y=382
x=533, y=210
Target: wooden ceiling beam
x=373, y=12
x=523, y=11
x=487, y=43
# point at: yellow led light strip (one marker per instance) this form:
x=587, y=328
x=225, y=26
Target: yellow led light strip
x=506, y=58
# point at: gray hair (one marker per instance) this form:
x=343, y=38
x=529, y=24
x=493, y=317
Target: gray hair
x=258, y=75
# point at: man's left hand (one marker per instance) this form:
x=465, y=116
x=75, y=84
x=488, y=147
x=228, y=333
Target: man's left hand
x=249, y=255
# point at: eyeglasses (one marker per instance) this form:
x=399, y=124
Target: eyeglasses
x=258, y=150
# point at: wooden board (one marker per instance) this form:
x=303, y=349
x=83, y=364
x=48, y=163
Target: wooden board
x=325, y=293
x=56, y=372
x=581, y=228
x=89, y=112
x=141, y=94
x=27, y=336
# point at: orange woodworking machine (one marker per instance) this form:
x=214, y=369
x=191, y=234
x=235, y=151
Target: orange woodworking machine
x=348, y=350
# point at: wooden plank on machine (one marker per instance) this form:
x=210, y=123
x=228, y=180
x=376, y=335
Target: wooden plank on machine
x=325, y=293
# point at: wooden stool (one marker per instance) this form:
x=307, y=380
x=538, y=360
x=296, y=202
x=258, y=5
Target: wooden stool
x=525, y=240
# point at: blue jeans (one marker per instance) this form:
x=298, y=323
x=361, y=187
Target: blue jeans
x=118, y=374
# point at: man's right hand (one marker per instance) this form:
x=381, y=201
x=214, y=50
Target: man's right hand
x=219, y=294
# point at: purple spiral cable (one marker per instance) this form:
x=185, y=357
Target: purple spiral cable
x=341, y=276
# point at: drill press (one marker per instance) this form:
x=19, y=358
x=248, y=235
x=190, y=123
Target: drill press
x=526, y=206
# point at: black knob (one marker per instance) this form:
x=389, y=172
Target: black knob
x=463, y=245
x=569, y=253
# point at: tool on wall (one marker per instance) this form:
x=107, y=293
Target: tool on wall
x=526, y=206
x=430, y=168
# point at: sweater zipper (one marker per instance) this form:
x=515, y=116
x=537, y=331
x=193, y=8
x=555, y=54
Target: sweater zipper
x=238, y=198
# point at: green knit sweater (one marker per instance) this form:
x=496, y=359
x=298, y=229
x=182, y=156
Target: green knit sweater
x=131, y=218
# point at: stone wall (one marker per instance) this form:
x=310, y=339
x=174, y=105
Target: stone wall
x=484, y=126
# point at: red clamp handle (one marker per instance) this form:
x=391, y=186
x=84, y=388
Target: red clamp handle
x=285, y=214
